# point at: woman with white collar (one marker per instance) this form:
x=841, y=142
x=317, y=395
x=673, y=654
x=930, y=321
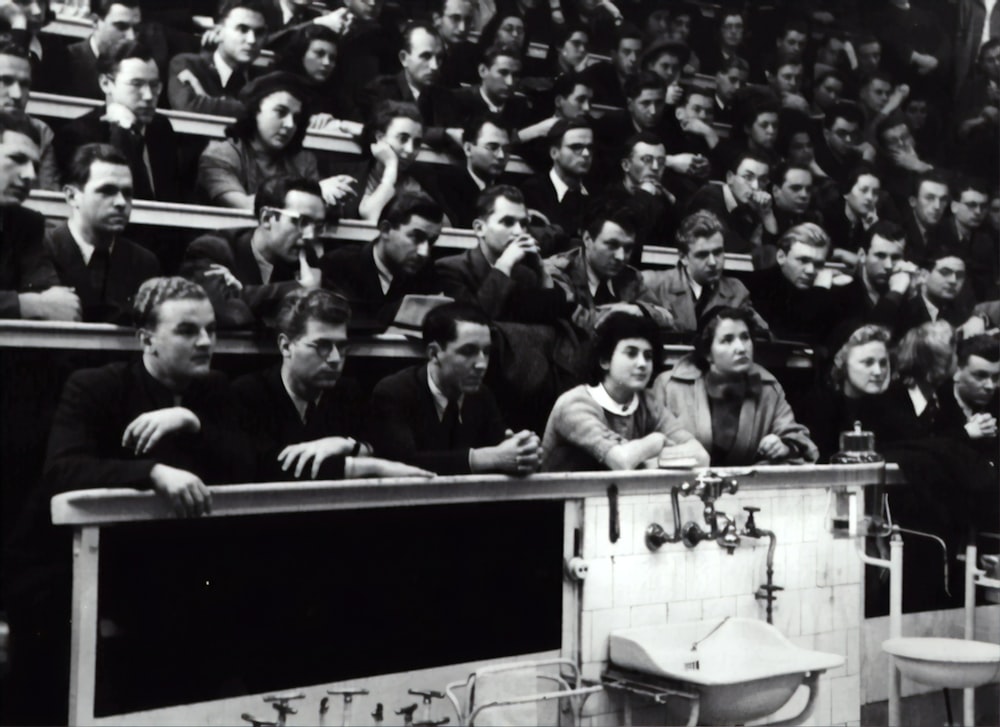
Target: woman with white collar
x=612, y=422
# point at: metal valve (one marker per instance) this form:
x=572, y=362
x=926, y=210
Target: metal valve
x=257, y=722
x=431, y=723
x=281, y=703
x=407, y=713
x=427, y=695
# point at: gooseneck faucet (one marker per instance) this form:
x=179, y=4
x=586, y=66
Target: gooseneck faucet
x=709, y=486
x=765, y=592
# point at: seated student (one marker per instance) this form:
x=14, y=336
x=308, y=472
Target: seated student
x=842, y=147
x=641, y=187
x=967, y=233
x=689, y=130
x=861, y=206
x=416, y=83
x=896, y=158
x=925, y=362
x=265, y=142
x=666, y=58
x=264, y=263
x=570, y=100
x=941, y=296
x=115, y=22
x=697, y=284
x=642, y=112
x=29, y=286
x=608, y=78
x=827, y=90
x=312, y=53
x=438, y=415
x=784, y=77
x=165, y=422
x=453, y=20
x=792, y=193
x=923, y=219
x=976, y=112
x=756, y=130
x=499, y=74
x=561, y=195
x=735, y=408
x=788, y=296
x=729, y=45
x=15, y=70
x=87, y=250
x=286, y=19
x=128, y=121
x=968, y=406
x=742, y=204
x=612, y=421
x=210, y=82
x=730, y=78
x=376, y=276
x=598, y=277
x=393, y=138
x=304, y=419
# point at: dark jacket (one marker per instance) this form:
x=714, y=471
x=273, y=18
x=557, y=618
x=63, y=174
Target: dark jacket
x=404, y=424
x=80, y=78
x=24, y=266
x=220, y=101
x=433, y=104
x=792, y=314
x=350, y=269
x=855, y=307
x=270, y=419
x=540, y=195
x=741, y=223
x=951, y=421
x=159, y=140
x=129, y=266
x=467, y=103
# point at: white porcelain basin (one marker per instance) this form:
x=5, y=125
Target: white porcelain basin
x=743, y=669
x=946, y=663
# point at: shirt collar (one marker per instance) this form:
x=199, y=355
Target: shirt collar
x=413, y=89
x=696, y=287
x=489, y=104
x=729, y=198
x=93, y=46
x=967, y=410
x=918, y=399
x=287, y=12
x=931, y=308
x=721, y=387
x=594, y=282
x=266, y=267
x=299, y=403
x=224, y=69
x=475, y=178
x=86, y=248
x=561, y=187
x=599, y=394
x=440, y=400
x=384, y=274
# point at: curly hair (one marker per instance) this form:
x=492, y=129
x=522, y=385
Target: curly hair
x=861, y=336
x=156, y=291
x=927, y=354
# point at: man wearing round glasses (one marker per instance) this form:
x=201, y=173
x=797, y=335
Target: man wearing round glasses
x=263, y=264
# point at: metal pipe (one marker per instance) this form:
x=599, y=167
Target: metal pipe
x=895, y=622
x=971, y=566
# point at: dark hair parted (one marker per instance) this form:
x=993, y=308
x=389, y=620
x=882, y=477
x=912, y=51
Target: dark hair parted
x=935, y=176
x=302, y=305
x=298, y=46
x=107, y=65
x=846, y=110
x=83, y=159
x=863, y=169
x=155, y=292
x=623, y=215
x=709, y=324
x=253, y=94
x=440, y=325
x=554, y=138
x=616, y=328
x=19, y=123
x=227, y=6
x=887, y=230
x=272, y=192
x=101, y=8
x=405, y=205
x=697, y=225
x=639, y=82
x=985, y=346
x=474, y=127
x=487, y=200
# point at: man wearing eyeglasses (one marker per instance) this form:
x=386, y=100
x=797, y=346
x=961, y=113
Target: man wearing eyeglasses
x=128, y=121
x=261, y=265
x=561, y=195
x=842, y=147
x=305, y=420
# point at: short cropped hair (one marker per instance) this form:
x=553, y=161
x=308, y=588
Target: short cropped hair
x=615, y=328
x=643, y=137
x=861, y=170
x=709, y=324
x=887, y=230
x=388, y=110
x=19, y=123
x=302, y=305
x=965, y=183
x=440, y=325
x=728, y=64
x=808, y=233
x=700, y=224
x=107, y=65
x=622, y=215
x=554, y=138
x=272, y=191
x=626, y=31
x=228, y=6
x=566, y=83
x=155, y=292
x=405, y=205
x=414, y=25
x=487, y=200
x=781, y=171
x=639, y=82
x=846, y=110
x=738, y=159
x=932, y=175
x=474, y=127
x=984, y=346
x=78, y=173
x=101, y=8
x=498, y=50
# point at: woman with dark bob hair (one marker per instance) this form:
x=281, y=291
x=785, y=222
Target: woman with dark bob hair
x=265, y=141
x=611, y=422
x=735, y=408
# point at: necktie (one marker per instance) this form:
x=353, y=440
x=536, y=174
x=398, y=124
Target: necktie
x=97, y=270
x=310, y=414
x=603, y=294
x=449, y=422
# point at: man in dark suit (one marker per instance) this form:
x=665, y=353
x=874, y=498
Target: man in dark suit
x=88, y=251
x=697, y=284
x=941, y=296
x=561, y=195
x=842, y=145
x=29, y=286
x=304, y=419
x=453, y=20
x=209, y=83
x=129, y=122
x=969, y=404
x=923, y=222
x=608, y=78
x=376, y=276
x=792, y=192
x=974, y=241
x=268, y=261
x=115, y=22
x=438, y=415
x=499, y=73
x=417, y=83
x=285, y=18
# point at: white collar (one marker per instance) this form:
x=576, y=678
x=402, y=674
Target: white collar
x=384, y=274
x=696, y=287
x=594, y=282
x=489, y=104
x=931, y=308
x=265, y=266
x=440, y=400
x=475, y=178
x=86, y=248
x=601, y=396
x=729, y=198
x=225, y=70
x=413, y=89
x=561, y=187
x=917, y=398
x=287, y=11
x=93, y=46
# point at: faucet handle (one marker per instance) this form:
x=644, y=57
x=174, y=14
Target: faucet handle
x=428, y=694
x=348, y=693
x=751, y=509
x=257, y=722
x=407, y=712
x=432, y=723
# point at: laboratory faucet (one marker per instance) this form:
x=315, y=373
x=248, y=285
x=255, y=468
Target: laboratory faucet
x=709, y=486
x=766, y=591
x=281, y=703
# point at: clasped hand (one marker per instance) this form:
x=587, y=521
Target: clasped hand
x=771, y=447
x=317, y=451
x=146, y=430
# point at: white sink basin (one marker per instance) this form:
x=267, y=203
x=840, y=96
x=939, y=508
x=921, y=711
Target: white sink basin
x=946, y=663
x=743, y=669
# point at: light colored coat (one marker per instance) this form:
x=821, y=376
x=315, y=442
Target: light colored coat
x=682, y=390
x=670, y=289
